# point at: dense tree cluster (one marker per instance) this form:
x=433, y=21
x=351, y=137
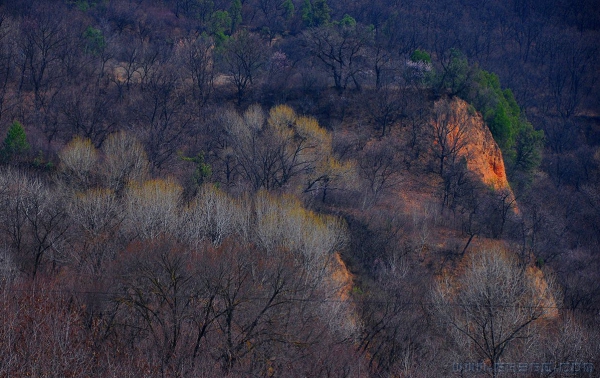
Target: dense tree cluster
x=152, y=284
x=282, y=187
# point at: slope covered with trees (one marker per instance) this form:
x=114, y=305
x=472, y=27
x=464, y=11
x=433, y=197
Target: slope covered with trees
x=299, y=188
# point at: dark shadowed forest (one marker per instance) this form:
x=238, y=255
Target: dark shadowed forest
x=299, y=188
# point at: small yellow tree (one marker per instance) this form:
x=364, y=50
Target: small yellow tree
x=125, y=160
x=78, y=163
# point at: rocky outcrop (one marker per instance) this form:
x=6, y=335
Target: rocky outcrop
x=480, y=150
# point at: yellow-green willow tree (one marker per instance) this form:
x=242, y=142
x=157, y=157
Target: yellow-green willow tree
x=78, y=163
x=282, y=150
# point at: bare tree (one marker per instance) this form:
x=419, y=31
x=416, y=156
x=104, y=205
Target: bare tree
x=43, y=331
x=7, y=62
x=152, y=208
x=570, y=75
x=341, y=49
x=87, y=111
x=280, y=150
x=242, y=60
x=164, y=305
x=493, y=308
x=35, y=220
x=124, y=161
x=78, y=163
x=386, y=107
x=42, y=47
x=196, y=53
x=162, y=115
x=213, y=216
x=96, y=217
x=380, y=166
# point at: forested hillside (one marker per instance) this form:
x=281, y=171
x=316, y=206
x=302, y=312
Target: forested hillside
x=299, y=188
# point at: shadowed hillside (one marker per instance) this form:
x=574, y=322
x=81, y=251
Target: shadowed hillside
x=299, y=188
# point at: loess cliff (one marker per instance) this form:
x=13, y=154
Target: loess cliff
x=480, y=150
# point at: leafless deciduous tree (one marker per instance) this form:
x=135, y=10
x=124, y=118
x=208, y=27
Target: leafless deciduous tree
x=493, y=309
x=35, y=220
x=78, y=163
x=96, y=215
x=196, y=54
x=152, y=208
x=43, y=332
x=380, y=166
x=124, y=161
x=243, y=58
x=280, y=150
x=87, y=111
x=341, y=49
